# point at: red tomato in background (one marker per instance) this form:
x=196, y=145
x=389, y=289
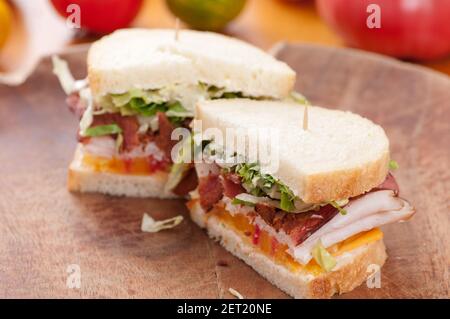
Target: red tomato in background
x=411, y=29
x=102, y=16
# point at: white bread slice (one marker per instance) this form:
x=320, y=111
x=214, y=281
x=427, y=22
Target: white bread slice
x=84, y=179
x=351, y=269
x=341, y=155
x=152, y=59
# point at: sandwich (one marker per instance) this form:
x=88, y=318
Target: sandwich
x=141, y=86
x=311, y=223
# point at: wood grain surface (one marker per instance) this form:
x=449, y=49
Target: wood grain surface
x=44, y=229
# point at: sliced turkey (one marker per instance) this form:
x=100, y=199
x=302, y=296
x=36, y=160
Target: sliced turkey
x=364, y=213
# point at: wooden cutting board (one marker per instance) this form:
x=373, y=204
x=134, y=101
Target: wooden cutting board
x=45, y=230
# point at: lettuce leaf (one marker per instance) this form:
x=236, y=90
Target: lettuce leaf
x=287, y=202
x=148, y=103
x=149, y=225
x=338, y=207
x=298, y=98
x=181, y=164
x=323, y=258
x=237, y=201
x=393, y=165
x=259, y=184
x=62, y=72
x=102, y=130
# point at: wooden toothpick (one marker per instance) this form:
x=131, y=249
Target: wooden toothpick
x=177, y=29
x=305, y=117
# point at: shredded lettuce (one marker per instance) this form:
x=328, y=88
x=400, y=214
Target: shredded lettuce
x=298, y=98
x=146, y=123
x=237, y=201
x=177, y=110
x=181, y=164
x=149, y=225
x=102, y=130
x=62, y=71
x=88, y=115
x=338, y=207
x=393, y=165
x=146, y=104
x=259, y=184
x=235, y=293
x=323, y=258
x=287, y=198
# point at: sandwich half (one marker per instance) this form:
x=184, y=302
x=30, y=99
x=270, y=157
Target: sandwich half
x=310, y=223
x=142, y=85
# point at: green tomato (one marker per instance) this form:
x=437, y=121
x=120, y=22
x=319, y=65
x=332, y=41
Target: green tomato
x=212, y=15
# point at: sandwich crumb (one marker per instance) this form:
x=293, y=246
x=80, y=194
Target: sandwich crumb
x=235, y=293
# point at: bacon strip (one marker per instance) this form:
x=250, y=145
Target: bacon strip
x=231, y=184
x=298, y=226
x=187, y=184
x=164, y=137
x=210, y=191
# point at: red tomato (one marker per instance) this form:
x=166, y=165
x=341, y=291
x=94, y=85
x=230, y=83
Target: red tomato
x=411, y=29
x=101, y=16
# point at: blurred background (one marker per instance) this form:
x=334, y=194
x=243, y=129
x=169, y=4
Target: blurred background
x=412, y=30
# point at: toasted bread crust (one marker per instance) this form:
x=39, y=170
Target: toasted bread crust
x=350, y=272
x=345, y=184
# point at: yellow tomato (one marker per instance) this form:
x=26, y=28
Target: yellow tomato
x=206, y=14
x=5, y=22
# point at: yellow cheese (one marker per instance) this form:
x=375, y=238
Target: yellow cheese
x=135, y=166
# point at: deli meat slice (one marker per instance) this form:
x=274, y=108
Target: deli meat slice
x=364, y=213
x=210, y=191
x=389, y=183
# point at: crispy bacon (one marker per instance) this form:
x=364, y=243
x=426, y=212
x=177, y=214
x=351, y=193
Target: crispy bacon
x=187, y=184
x=164, y=137
x=231, y=184
x=298, y=226
x=210, y=191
